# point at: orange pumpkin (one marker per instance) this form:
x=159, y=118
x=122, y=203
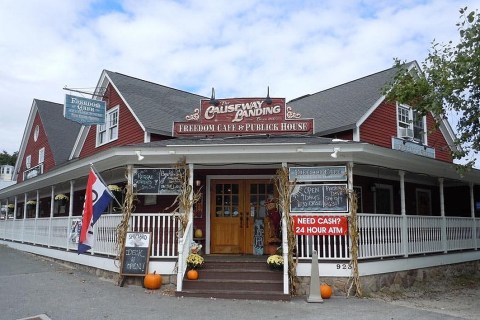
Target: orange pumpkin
x=152, y=281
x=192, y=274
x=325, y=291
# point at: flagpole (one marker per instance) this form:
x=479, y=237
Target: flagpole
x=103, y=181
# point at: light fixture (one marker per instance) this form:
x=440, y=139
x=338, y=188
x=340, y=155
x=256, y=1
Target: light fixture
x=213, y=101
x=198, y=183
x=335, y=153
x=299, y=149
x=139, y=155
x=268, y=100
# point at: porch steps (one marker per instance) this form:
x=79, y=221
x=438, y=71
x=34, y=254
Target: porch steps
x=235, y=277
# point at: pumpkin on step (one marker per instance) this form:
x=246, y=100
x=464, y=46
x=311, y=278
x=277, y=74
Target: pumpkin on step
x=152, y=281
x=192, y=274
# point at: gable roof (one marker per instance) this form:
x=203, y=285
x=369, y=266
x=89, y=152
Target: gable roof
x=340, y=108
x=155, y=106
x=61, y=133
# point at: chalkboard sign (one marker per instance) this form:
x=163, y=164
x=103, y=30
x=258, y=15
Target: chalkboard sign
x=136, y=254
x=319, y=198
x=156, y=181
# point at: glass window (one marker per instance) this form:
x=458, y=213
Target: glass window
x=41, y=155
x=109, y=131
x=410, y=124
x=28, y=161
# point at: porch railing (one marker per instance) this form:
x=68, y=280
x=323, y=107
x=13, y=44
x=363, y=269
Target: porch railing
x=379, y=235
x=57, y=232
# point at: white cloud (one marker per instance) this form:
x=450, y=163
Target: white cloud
x=238, y=47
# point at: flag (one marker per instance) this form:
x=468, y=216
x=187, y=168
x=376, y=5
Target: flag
x=97, y=199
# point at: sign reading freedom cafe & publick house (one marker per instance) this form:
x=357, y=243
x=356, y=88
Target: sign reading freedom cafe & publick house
x=239, y=116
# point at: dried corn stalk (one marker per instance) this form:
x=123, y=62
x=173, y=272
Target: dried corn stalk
x=285, y=188
x=354, y=280
x=183, y=203
x=122, y=228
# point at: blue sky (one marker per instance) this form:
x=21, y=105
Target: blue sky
x=238, y=46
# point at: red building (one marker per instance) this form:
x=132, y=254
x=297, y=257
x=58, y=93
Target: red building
x=413, y=205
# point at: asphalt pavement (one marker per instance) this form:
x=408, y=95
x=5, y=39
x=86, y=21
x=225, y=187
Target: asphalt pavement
x=35, y=287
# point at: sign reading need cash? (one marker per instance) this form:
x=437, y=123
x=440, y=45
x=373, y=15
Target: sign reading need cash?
x=320, y=225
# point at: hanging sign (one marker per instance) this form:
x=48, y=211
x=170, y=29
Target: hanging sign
x=162, y=181
x=241, y=116
x=320, y=225
x=84, y=111
x=330, y=173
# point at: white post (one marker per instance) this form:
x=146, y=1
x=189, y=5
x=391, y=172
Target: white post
x=286, y=284
x=442, y=214
x=37, y=205
x=52, y=199
x=472, y=212
x=404, y=214
x=70, y=213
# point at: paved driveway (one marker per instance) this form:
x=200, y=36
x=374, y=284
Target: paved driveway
x=32, y=285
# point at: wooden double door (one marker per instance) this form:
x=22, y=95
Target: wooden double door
x=237, y=212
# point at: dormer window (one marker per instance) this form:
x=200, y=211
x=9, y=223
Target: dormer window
x=410, y=124
x=109, y=131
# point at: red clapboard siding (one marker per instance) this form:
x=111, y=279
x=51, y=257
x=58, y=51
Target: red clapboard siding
x=129, y=130
x=381, y=126
x=32, y=147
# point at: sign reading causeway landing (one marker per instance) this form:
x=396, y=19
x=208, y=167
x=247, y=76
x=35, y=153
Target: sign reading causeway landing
x=240, y=116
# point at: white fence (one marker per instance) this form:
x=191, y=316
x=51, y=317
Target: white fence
x=394, y=235
x=379, y=235
x=59, y=232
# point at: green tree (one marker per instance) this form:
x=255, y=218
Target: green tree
x=450, y=84
x=6, y=158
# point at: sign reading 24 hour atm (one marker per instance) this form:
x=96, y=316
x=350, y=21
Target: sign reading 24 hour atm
x=320, y=225
x=240, y=116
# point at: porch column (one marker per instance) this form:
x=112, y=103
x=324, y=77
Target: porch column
x=52, y=198
x=15, y=208
x=37, y=204
x=70, y=213
x=404, y=214
x=286, y=284
x=190, y=183
x=24, y=216
x=442, y=214
x=37, y=207
x=472, y=212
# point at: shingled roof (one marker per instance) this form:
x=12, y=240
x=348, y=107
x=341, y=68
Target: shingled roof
x=156, y=106
x=341, y=107
x=61, y=133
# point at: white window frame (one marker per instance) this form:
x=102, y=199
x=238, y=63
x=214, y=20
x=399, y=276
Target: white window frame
x=41, y=155
x=108, y=132
x=28, y=161
x=403, y=122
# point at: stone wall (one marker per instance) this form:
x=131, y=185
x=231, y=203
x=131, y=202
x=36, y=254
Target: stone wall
x=392, y=283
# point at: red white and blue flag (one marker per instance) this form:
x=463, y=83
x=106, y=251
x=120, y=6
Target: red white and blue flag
x=97, y=199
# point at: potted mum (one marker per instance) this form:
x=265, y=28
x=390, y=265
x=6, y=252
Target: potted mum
x=275, y=262
x=61, y=198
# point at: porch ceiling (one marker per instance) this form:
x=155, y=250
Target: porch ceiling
x=111, y=163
